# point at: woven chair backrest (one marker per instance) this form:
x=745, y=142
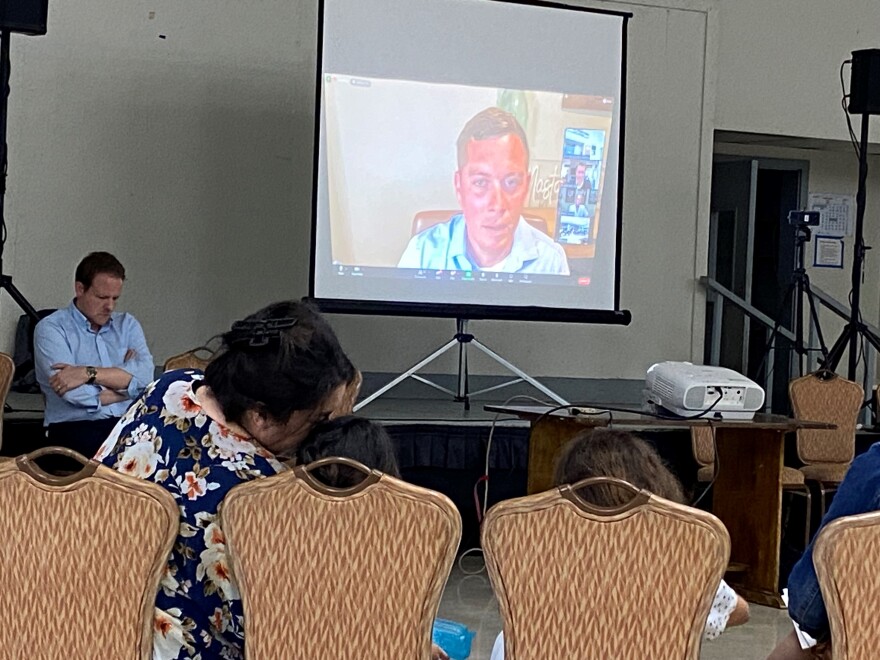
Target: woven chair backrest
x=326, y=573
x=703, y=444
x=834, y=400
x=847, y=560
x=80, y=561
x=574, y=581
x=198, y=358
x=7, y=370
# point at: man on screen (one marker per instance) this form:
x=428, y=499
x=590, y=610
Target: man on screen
x=491, y=184
x=582, y=181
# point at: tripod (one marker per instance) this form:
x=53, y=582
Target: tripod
x=462, y=339
x=855, y=328
x=797, y=290
x=6, y=280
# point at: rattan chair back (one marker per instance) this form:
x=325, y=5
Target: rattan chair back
x=847, y=560
x=80, y=561
x=339, y=573
x=826, y=397
x=703, y=444
x=7, y=370
x=197, y=358
x=578, y=581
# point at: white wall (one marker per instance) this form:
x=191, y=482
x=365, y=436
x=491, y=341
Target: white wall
x=190, y=158
x=779, y=63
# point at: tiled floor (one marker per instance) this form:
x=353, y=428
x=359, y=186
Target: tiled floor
x=468, y=599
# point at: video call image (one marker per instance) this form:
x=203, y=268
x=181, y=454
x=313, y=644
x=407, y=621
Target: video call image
x=582, y=159
x=497, y=181
x=475, y=175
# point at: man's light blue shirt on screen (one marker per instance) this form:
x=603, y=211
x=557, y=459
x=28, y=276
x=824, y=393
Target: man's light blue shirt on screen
x=66, y=336
x=444, y=247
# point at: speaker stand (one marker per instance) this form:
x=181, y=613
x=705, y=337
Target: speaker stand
x=6, y=280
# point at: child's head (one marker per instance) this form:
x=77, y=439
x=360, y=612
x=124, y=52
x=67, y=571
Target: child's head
x=350, y=437
x=608, y=453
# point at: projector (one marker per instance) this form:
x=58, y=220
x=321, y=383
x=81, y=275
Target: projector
x=694, y=390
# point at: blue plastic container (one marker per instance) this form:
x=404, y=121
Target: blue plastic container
x=454, y=638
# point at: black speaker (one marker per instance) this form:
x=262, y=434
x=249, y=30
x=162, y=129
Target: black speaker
x=864, y=85
x=25, y=16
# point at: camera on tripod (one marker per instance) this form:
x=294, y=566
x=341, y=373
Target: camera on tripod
x=804, y=218
x=802, y=221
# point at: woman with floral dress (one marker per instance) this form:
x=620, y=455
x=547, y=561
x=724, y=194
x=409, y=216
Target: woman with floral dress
x=198, y=435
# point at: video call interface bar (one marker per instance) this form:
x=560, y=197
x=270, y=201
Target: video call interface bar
x=477, y=276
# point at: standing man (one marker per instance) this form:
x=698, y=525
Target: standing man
x=491, y=184
x=90, y=361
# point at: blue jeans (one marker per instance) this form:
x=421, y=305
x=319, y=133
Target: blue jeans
x=858, y=493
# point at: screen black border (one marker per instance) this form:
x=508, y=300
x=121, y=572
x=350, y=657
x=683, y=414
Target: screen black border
x=473, y=312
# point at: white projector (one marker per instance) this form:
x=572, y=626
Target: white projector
x=694, y=390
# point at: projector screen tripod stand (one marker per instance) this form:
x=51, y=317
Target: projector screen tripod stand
x=462, y=339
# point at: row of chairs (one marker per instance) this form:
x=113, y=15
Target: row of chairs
x=83, y=556
x=825, y=454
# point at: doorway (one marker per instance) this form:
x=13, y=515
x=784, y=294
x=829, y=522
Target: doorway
x=752, y=253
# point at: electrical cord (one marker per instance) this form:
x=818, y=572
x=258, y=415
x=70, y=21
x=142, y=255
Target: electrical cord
x=484, y=479
x=4, y=164
x=844, y=97
x=715, y=465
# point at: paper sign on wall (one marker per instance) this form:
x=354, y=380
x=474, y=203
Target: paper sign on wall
x=828, y=252
x=837, y=213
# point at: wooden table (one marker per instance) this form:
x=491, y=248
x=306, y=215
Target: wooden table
x=747, y=492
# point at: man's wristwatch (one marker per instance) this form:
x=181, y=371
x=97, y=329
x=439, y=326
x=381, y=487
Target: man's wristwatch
x=92, y=373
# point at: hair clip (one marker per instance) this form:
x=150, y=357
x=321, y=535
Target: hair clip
x=257, y=333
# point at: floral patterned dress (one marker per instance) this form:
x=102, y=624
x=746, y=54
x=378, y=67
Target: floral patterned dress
x=167, y=438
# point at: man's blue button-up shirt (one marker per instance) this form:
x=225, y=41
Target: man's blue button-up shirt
x=444, y=247
x=66, y=336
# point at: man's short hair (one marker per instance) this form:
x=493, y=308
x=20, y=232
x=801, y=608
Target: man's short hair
x=96, y=263
x=489, y=124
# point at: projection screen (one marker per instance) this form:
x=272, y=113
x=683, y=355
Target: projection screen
x=469, y=159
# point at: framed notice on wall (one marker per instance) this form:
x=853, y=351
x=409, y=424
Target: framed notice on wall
x=828, y=252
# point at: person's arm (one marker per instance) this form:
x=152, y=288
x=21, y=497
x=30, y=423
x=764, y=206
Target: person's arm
x=69, y=377
x=129, y=379
x=728, y=609
x=857, y=493
x=51, y=348
x=138, y=360
x=109, y=397
x=740, y=614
